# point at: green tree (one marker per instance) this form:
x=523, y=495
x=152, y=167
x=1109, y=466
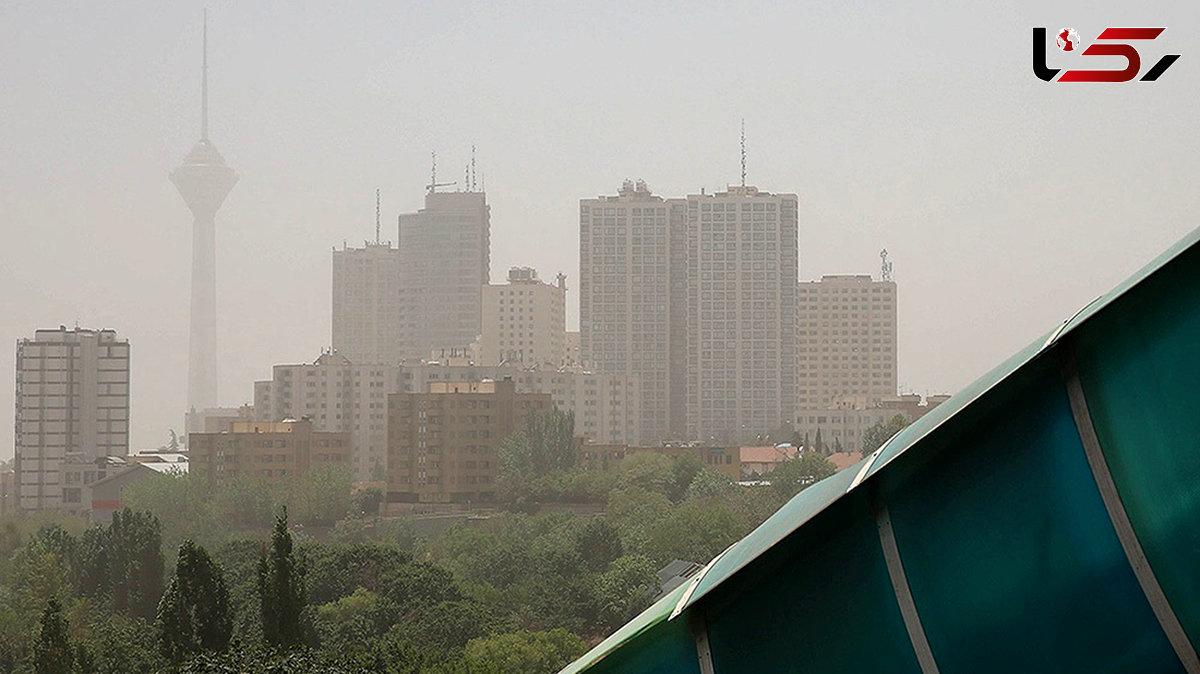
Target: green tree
x=709, y=483
x=625, y=590
x=367, y=501
x=135, y=563
x=526, y=652
x=882, y=431
x=281, y=589
x=52, y=652
x=193, y=614
x=598, y=543
x=38, y=576
x=90, y=570
x=797, y=474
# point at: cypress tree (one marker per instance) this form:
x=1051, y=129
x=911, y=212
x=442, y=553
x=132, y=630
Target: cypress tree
x=281, y=589
x=52, y=653
x=194, y=614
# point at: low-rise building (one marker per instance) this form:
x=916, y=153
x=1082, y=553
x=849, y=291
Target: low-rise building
x=443, y=444
x=722, y=459
x=269, y=450
x=841, y=428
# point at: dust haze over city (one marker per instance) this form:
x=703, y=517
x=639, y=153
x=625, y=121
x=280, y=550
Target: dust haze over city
x=1005, y=204
x=536, y=326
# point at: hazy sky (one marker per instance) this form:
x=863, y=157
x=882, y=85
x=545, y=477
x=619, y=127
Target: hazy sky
x=1005, y=202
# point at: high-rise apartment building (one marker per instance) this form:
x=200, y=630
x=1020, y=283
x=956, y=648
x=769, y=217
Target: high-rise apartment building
x=72, y=403
x=443, y=443
x=366, y=303
x=741, y=313
x=846, y=338
x=524, y=321
x=633, y=255
x=444, y=260
x=338, y=395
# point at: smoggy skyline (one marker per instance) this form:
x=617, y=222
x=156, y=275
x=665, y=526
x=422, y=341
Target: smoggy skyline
x=1006, y=203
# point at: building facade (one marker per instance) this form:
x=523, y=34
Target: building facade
x=524, y=321
x=338, y=396
x=443, y=443
x=633, y=254
x=741, y=304
x=266, y=450
x=366, y=303
x=846, y=339
x=72, y=404
x=444, y=262
x=842, y=427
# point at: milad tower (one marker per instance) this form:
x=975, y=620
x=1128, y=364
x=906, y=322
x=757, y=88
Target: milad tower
x=204, y=181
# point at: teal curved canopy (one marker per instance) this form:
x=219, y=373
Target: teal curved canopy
x=1044, y=519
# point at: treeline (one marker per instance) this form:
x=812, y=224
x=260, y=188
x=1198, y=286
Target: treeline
x=199, y=580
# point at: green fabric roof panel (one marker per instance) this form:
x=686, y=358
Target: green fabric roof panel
x=638, y=627
x=1036, y=521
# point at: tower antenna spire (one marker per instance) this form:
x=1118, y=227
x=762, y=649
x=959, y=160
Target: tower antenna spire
x=472, y=167
x=204, y=81
x=743, y=152
x=376, y=216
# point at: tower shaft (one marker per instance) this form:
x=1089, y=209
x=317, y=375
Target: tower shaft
x=202, y=336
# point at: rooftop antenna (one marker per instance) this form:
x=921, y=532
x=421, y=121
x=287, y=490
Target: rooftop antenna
x=743, y=152
x=376, y=216
x=204, y=81
x=433, y=183
x=472, y=167
x=885, y=268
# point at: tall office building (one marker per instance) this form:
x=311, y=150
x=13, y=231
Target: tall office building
x=444, y=259
x=203, y=180
x=633, y=308
x=72, y=405
x=366, y=303
x=846, y=338
x=524, y=321
x=741, y=308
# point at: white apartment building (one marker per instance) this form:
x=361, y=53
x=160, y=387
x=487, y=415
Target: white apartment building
x=72, y=404
x=846, y=338
x=633, y=255
x=524, y=321
x=741, y=323
x=337, y=395
x=366, y=303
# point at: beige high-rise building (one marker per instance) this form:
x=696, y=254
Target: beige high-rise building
x=846, y=337
x=72, y=404
x=366, y=303
x=633, y=300
x=741, y=304
x=524, y=321
x=444, y=259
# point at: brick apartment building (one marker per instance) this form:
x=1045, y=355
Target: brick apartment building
x=443, y=444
